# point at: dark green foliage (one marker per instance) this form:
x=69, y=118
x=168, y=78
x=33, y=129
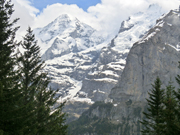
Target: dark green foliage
x=38, y=98
x=170, y=121
x=30, y=66
x=153, y=122
x=168, y=111
x=177, y=96
x=10, y=95
x=26, y=102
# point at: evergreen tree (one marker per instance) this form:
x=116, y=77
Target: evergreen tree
x=30, y=66
x=37, y=95
x=177, y=96
x=153, y=122
x=170, y=121
x=10, y=93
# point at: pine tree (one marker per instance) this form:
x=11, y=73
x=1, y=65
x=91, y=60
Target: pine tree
x=30, y=66
x=51, y=119
x=10, y=93
x=37, y=95
x=177, y=96
x=153, y=122
x=170, y=121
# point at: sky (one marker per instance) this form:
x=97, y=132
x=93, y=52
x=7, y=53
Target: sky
x=103, y=15
x=84, y=4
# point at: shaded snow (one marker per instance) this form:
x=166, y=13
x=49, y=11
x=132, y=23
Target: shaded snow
x=141, y=23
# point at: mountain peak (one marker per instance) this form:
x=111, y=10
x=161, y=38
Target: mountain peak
x=68, y=33
x=54, y=28
x=66, y=17
x=62, y=18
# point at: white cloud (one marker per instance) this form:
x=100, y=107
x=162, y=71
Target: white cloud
x=167, y=4
x=53, y=11
x=26, y=13
x=110, y=14
x=106, y=16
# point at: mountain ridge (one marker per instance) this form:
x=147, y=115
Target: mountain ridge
x=155, y=54
x=86, y=74
x=161, y=39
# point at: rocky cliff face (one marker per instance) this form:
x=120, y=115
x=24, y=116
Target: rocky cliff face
x=112, y=59
x=156, y=54
x=111, y=119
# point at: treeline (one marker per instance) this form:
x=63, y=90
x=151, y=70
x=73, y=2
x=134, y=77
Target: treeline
x=163, y=112
x=26, y=102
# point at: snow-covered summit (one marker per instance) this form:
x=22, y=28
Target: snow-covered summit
x=66, y=34
x=54, y=28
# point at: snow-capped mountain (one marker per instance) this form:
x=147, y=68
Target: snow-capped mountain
x=70, y=49
x=83, y=65
x=65, y=35
x=157, y=53
x=112, y=58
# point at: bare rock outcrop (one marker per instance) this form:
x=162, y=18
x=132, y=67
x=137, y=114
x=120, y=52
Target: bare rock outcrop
x=156, y=54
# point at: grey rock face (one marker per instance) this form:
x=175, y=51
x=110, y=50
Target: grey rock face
x=75, y=109
x=97, y=90
x=119, y=119
x=112, y=58
x=104, y=76
x=157, y=54
x=123, y=28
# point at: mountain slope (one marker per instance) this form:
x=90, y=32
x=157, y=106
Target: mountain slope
x=63, y=43
x=155, y=54
x=70, y=49
x=78, y=58
x=112, y=58
x=85, y=66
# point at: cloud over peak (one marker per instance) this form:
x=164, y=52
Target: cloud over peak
x=105, y=16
